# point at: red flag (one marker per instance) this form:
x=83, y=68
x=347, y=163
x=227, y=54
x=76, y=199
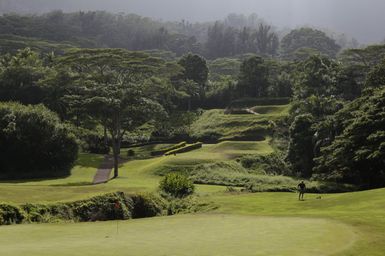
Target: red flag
x=117, y=205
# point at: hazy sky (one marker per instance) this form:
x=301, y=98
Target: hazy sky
x=363, y=19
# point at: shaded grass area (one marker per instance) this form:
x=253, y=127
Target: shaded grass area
x=209, y=235
x=143, y=152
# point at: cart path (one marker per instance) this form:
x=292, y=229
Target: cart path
x=103, y=173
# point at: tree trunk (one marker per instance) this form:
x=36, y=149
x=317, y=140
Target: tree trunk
x=105, y=136
x=116, y=141
x=116, y=153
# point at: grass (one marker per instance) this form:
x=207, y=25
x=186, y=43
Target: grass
x=362, y=210
x=215, y=123
x=210, y=235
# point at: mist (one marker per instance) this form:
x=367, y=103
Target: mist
x=363, y=20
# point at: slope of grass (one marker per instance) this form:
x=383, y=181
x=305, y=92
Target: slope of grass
x=209, y=235
x=216, y=125
x=135, y=175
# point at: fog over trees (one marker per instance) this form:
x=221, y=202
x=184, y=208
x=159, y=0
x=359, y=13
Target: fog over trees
x=359, y=19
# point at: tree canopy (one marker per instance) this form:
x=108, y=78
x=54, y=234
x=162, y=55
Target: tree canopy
x=308, y=38
x=34, y=143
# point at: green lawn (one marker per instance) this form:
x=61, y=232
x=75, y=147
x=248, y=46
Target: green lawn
x=214, y=234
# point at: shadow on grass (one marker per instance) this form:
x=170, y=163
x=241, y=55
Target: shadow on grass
x=74, y=184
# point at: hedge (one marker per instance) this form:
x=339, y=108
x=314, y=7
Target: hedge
x=185, y=149
x=110, y=206
x=10, y=214
x=165, y=150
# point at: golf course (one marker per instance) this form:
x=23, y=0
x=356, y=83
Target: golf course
x=238, y=135
x=236, y=223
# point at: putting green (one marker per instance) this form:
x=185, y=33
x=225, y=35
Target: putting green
x=210, y=234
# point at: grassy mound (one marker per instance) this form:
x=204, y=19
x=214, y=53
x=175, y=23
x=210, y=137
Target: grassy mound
x=215, y=125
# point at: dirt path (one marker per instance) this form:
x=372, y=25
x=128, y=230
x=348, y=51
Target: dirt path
x=104, y=171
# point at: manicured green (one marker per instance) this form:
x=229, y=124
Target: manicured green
x=182, y=235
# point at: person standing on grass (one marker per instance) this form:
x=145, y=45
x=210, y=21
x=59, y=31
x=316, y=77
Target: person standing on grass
x=301, y=189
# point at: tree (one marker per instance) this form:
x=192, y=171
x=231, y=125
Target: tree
x=357, y=154
x=34, y=143
x=253, y=77
x=195, y=69
x=308, y=38
x=364, y=57
x=301, y=148
x=19, y=76
x=315, y=76
x=376, y=76
x=111, y=87
x=267, y=41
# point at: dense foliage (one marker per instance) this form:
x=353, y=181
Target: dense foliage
x=34, y=143
x=357, y=154
x=176, y=185
x=310, y=40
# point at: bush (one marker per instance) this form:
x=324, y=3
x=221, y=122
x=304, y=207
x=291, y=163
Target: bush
x=273, y=163
x=10, y=214
x=176, y=185
x=165, y=150
x=34, y=143
x=93, y=142
x=148, y=205
x=110, y=206
x=185, y=149
x=106, y=207
x=130, y=153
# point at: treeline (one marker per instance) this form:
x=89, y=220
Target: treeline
x=337, y=118
x=235, y=35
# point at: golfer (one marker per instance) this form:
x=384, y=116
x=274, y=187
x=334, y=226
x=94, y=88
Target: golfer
x=301, y=189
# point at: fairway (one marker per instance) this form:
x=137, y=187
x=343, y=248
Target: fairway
x=209, y=234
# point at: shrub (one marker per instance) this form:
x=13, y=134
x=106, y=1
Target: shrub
x=148, y=205
x=273, y=163
x=185, y=149
x=106, y=207
x=165, y=150
x=10, y=214
x=36, y=136
x=93, y=142
x=176, y=185
x=130, y=153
